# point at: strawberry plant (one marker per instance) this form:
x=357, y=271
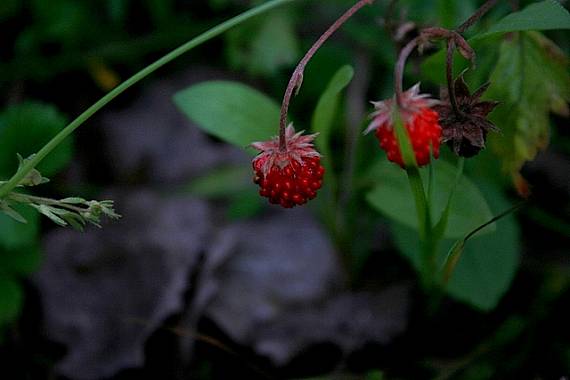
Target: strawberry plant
x=447, y=179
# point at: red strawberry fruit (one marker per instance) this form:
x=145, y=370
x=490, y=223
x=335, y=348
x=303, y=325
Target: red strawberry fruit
x=420, y=121
x=291, y=176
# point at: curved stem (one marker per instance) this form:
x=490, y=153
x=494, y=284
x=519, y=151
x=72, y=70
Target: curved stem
x=297, y=76
x=486, y=7
x=449, y=76
x=54, y=142
x=495, y=219
x=418, y=191
x=399, y=68
x=451, y=44
x=427, y=242
x=441, y=225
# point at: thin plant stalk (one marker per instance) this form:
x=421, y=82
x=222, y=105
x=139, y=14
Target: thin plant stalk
x=422, y=202
x=297, y=76
x=430, y=235
x=70, y=128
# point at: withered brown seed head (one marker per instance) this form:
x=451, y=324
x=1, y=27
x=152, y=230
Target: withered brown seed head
x=465, y=132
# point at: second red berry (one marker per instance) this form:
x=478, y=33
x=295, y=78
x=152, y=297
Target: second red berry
x=425, y=135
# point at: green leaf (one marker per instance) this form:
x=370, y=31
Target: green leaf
x=323, y=66
x=24, y=129
x=218, y=5
x=392, y=197
x=50, y=212
x=75, y=221
x=530, y=79
x=451, y=13
x=21, y=261
x=264, y=45
x=375, y=375
x=13, y=234
x=488, y=264
x=245, y=204
x=221, y=182
x=458, y=247
x=34, y=178
x=161, y=12
x=231, y=111
x=10, y=8
x=326, y=109
x=323, y=122
x=404, y=143
x=11, y=299
x=8, y=210
x=275, y=45
x=233, y=183
x=74, y=200
x=63, y=21
x=117, y=10
x=543, y=15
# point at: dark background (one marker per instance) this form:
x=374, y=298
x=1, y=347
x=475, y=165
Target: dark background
x=194, y=285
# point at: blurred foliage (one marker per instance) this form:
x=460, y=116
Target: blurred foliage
x=391, y=197
x=532, y=79
x=528, y=74
x=213, y=104
x=57, y=36
x=231, y=111
x=274, y=44
x=232, y=183
x=19, y=257
x=326, y=110
x=27, y=127
x=24, y=129
x=324, y=120
x=45, y=40
x=489, y=262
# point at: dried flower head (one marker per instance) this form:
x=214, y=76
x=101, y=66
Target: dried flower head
x=466, y=131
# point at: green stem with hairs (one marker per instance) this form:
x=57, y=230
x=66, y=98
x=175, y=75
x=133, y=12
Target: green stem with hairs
x=441, y=226
x=428, y=264
x=428, y=244
x=57, y=139
x=422, y=205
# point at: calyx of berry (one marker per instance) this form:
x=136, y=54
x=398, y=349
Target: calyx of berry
x=466, y=131
x=412, y=103
x=297, y=148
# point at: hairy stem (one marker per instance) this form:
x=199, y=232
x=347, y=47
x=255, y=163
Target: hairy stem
x=495, y=219
x=355, y=110
x=399, y=68
x=489, y=4
x=26, y=198
x=451, y=45
x=56, y=140
x=297, y=76
x=427, y=243
x=449, y=77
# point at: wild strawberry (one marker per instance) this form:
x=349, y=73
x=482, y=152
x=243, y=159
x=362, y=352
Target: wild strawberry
x=290, y=177
x=420, y=121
